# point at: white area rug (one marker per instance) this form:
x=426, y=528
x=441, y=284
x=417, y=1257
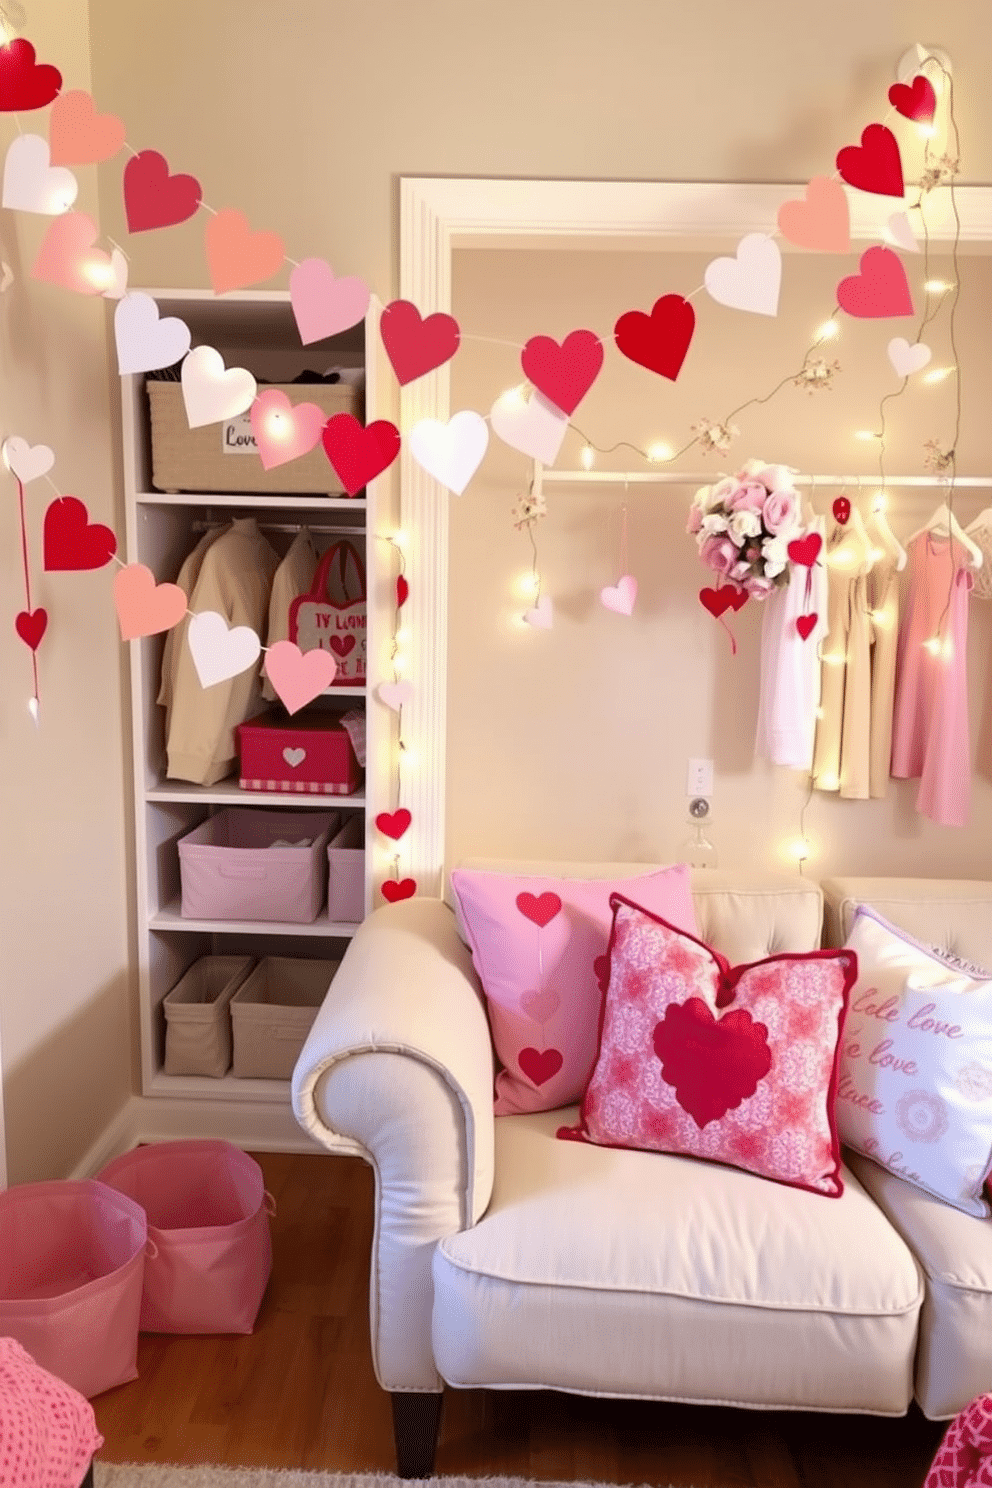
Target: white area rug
x=142, y=1475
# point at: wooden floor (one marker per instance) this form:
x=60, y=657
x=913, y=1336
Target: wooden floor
x=300, y=1392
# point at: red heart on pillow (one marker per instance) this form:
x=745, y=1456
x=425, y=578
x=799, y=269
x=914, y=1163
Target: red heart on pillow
x=727, y=597
x=658, y=341
x=875, y=165
x=806, y=624
x=915, y=100
x=539, y=1065
x=394, y=823
x=601, y=969
x=712, y=1064
x=805, y=550
x=394, y=889
x=342, y=644
x=541, y=908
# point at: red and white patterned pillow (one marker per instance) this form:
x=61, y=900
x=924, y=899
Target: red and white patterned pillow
x=736, y=1064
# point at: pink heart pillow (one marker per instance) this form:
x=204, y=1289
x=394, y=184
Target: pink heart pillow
x=539, y=947
x=737, y=1064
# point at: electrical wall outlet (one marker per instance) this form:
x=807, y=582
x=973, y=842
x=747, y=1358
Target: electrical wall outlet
x=699, y=780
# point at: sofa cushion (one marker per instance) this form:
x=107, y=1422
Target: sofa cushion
x=953, y=914
x=608, y=1271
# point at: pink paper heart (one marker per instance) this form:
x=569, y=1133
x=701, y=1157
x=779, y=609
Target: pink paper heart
x=540, y=615
x=284, y=431
x=78, y=135
x=298, y=676
x=822, y=220
x=621, y=597
x=67, y=256
x=143, y=607
x=541, y=1005
x=879, y=290
x=395, y=694
x=323, y=305
x=236, y=256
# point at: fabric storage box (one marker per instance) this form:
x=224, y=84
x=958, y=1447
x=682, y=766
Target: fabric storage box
x=346, y=872
x=72, y=1262
x=303, y=755
x=198, y=1016
x=224, y=456
x=272, y=1013
x=234, y=866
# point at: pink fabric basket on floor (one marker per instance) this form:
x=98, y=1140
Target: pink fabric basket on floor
x=72, y=1260
x=208, y=1215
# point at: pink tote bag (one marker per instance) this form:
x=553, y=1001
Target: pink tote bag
x=72, y=1259
x=208, y=1215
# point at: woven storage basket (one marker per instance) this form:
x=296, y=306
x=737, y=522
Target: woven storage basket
x=273, y=1011
x=221, y=457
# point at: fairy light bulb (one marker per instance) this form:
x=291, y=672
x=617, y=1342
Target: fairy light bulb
x=399, y=539
x=879, y=501
x=827, y=331
x=865, y=435
x=99, y=274
x=527, y=585
x=12, y=20
x=659, y=452
x=937, y=286
x=799, y=849
x=938, y=374
x=587, y=456
x=277, y=426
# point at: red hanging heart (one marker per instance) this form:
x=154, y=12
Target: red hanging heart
x=540, y=1065
x=402, y=592
x=395, y=889
x=31, y=626
x=541, y=908
x=842, y=510
x=414, y=345
x=915, y=100
x=727, y=597
x=565, y=373
x=874, y=165
x=72, y=541
x=359, y=454
x=806, y=624
x=658, y=341
x=805, y=550
x=25, y=83
x=879, y=290
x=393, y=823
x=712, y=1064
x=154, y=198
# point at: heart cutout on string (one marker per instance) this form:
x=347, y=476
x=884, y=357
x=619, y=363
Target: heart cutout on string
x=394, y=823
x=540, y=908
x=154, y=198
x=25, y=84
x=806, y=624
x=805, y=550
x=822, y=220
x=78, y=135
x=26, y=461
x=402, y=591
x=906, y=358
x=875, y=165
x=880, y=289
x=358, y=454
x=394, y=694
x=540, y=1065
x=322, y=304
x=842, y=510
x=31, y=183
x=237, y=256
x=658, y=341
x=727, y=597
x=416, y=345
x=395, y=889
x=565, y=373
x=146, y=341
x=451, y=452
x=68, y=258
x=71, y=541
x=145, y=608
x=284, y=431
x=211, y=392
x=900, y=229
x=749, y=281
x=916, y=100
x=31, y=626
x=540, y=615
x=298, y=676
x=533, y=426
x=219, y=652
x=620, y=597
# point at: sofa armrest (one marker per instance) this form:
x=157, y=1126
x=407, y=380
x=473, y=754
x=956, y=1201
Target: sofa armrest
x=398, y=1068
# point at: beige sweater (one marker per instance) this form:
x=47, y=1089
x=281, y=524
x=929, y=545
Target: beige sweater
x=293, y=578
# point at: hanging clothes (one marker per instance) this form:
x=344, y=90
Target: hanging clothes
x=841, y=754
x=188, y=575
x=293, y=577
x=789, y=691
x=930, y=734
x=883, y=610
x=236, y=574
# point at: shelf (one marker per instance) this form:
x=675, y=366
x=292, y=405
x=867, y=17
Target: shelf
x=225, y=792
x=312, y=500
x=170, y=918
x=228, y=1087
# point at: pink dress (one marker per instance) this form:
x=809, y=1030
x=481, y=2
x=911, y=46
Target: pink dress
x=930, y=738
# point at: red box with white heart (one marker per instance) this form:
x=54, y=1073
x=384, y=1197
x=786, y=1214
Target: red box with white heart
x=308, y=754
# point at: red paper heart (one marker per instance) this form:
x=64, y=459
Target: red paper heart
x=658, y=341
x=342, y=644
x=415, y=346
x=72, y=541
x=402, y=592
x=393, y=823
x=842, y=510
x=539, y=1065
x=359, y=454
x=806, y=624
x=805, y=550
x=874, y=165
x=713, y=1065
x=25, y=83
x=880, y=289
x=153, y=198
x=31, y=626
x=541, y=908
x=727, y=597
x=394, y=889
x=565, y=373
x=915, y=100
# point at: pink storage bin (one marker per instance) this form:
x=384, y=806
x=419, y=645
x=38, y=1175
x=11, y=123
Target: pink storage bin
x=346, y=872
x=72, y=1262
x=230, y=870
x=208, y=1214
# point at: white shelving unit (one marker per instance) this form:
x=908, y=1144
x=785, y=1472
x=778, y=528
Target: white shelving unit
x=256, y=330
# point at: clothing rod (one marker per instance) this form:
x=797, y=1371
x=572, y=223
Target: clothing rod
x=710, y=477
x=201, y=525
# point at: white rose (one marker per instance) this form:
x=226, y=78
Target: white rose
x=744, y=524
x=714, y=523
x=775, y=555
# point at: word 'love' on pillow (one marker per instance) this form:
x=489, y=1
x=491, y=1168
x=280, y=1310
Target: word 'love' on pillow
x=737, y=1064
x=915, y=1091
x=539, y=947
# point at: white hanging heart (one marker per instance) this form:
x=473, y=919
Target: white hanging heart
x=212, y=392
x=900, y=230
x=533, y=426
x=219, y=653
x=394, y=694
x=144, y=342
x=31, y=183
x=907, y=359
x=752, y=280
x=620, y=598
x=451, y=452
x=27, y=461
x=118, y=278
x=540, y=616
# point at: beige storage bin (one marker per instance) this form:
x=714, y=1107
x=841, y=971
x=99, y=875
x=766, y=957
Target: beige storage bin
x=346, y=872
x=272, y=1013
x=198, y=1016
x=223, y=456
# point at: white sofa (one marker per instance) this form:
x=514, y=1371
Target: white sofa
x=505, y=1258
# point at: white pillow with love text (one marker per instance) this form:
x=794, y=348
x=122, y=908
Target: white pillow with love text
x=915, y=1085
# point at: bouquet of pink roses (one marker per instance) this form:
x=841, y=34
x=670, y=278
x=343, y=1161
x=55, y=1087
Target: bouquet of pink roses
x=743, y=526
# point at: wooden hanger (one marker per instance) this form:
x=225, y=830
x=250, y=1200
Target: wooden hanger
x=944, y=523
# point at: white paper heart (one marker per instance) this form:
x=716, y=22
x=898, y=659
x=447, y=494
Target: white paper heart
x=118, y=278
x=394, y=694
x=219, y=653
x=533, y=426
x=752, y=280
x=144, y=342
x=31, y=183
x=27, y=461
x=451, y=452
x=900, y=230
x=294, y=757
x=212, y=393
x=540, y=616
x=907, y=358
x=620, y=598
